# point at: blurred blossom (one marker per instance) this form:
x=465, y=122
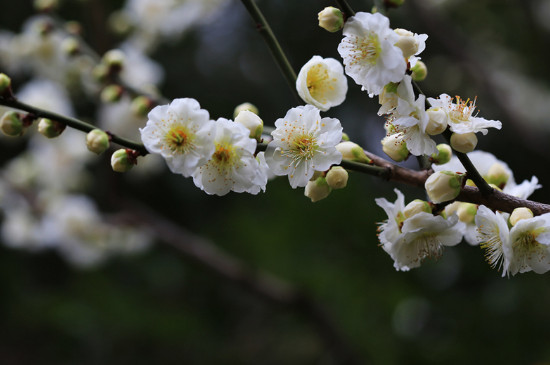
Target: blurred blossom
x=46, y=94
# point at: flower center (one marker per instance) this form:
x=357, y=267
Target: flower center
x=462, y=110
x=366, y=49
x=224, y=154
x=318, y=83
x=178, y=139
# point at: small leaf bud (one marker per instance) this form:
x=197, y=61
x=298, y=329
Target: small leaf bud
x=245, y=106
x=443, y=186
x=141, y=105
x=419, y=71
x=317, y=190
x=11, y=124
x=406, y=42
x=415, y=207
x=50, y=128
x=352, y=152
x=464, y=142
x=122, y=160
x=111, y=93
x=97, y=141
x=437, y=121
x=498, y=175
x=443, y=155
x=252, y=122
x=331, y=19
x=70, y=46
x=519, y=214
x=466, y=212
x=337, y=177
x=114, y=60
x=395, y=148
x=5, y=85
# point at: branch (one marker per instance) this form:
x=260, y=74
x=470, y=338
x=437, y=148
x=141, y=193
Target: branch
x=346, y=9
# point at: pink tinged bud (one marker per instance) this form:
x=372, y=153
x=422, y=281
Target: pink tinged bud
x=443, y=186
x=11, y=124
x=337, y=177
x=97, y=141
x=331, y=19
x=317, y=190
x=464, y=143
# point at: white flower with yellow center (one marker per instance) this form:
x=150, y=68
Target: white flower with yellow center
x=182, y=133
x=410, y=237
x=322, y=83
x=461, y=115
x=371, y=58
x=232, y=166
x=303, y=143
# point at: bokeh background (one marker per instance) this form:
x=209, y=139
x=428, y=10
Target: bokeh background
x=162, y=307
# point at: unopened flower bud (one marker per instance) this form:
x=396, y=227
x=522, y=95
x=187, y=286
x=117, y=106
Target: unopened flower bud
x=114, y=59
x=317, y=190
x=45, y=5
x=388, y=98
x=415, y=207
x=464, y=142
x=395, y=148
x=337, y=177
x=111, y=93
x=97, y=141
x=345, y=137
x=120, y=23
x=100, y=73
x=5, y=84
x=443, y=186
x=70, y=46
x=245, y=106
x=519, y=214
x=498, y=175
x=437, y=122
x=331, y=19
x=141, y=105
x=50, y=128
x=252, y=122
x=443, y=155
x=11, y=124
x=419, y=71
x=73, y=27
x=451, y=209
x=406, y=42
x=466, y=212
x=352, y=152
x=122, y=161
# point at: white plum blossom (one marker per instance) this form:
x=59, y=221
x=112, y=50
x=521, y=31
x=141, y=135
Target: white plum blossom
x=322, y=83
x=460, y=115
x=411, y=44
x=525, y=247
x=232, y=165
x=182, y=133
x=370, y=56
x=409, y=240
x=303, y=143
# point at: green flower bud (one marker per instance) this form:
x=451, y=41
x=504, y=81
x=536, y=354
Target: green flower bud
x=519, y=214
x=11, y=124
x=395, y=148
x=345, y=137
x=467, y=212
x=352, y=152
x=5, y=84
x=337, y=177
x=419, y=71
x=141, y=105
x=111, y=93
x=45, y=5
x=114, y=60
x=498, y=175
x=415, y=207
x=464, y=142
x=331, y=19
x=443, y=186
x=100, y=73
x=97, y=141
x=245, y=106
x=50, y=128
x=122, y=161
x=252, y=122
x=317, y=190
x=70, y=46
x=443, y=155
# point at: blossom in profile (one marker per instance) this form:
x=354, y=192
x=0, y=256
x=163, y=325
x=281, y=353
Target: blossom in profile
x=322, y=83
x=461, y=118
x=232, y=165
x=303, y=143
x=411, y=237
x=370, y=55
x=182, y=133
